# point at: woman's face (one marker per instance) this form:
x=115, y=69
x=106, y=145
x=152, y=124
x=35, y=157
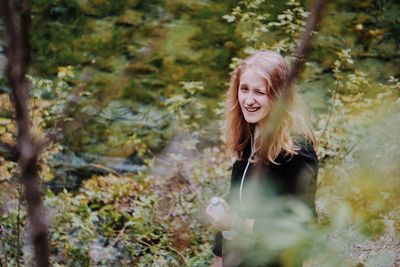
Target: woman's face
x=253, y=99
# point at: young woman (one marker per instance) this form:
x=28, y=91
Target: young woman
x=281, y=167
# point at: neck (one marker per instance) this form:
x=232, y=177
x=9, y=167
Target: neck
x=256, y=130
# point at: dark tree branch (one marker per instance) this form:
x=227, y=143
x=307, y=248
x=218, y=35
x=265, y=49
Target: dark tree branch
x=16, y=25
x=305, y=39
x=300, y=56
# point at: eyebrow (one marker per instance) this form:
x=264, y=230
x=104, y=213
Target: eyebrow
x=257, y=88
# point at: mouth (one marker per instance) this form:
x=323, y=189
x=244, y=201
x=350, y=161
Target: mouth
x=251, y=109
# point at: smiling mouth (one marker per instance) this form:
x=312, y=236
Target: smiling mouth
x=252, y=109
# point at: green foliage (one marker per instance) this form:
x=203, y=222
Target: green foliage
x=260, y=31
x=186, y=107
x=129, y=220
x=58, y=91
x=355, y=100
x=10, y=231
x=102, y=8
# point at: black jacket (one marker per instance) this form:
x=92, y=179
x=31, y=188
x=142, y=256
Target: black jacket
x=291, y=177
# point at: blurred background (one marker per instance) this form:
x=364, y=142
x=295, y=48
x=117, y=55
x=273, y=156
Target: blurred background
x=141, y=152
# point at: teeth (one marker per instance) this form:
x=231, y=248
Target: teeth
x=251, y=109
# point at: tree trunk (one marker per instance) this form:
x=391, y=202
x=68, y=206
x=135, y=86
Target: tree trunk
x=16, y=26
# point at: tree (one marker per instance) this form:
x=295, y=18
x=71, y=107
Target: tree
x=16, y=17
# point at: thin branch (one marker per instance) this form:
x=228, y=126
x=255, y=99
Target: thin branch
x=16, y=28
x=369, y=129
x=19, y=223
x=142, y=242
x=330, y=112
x=119, y=236
x=104, y=168
x=180, y=254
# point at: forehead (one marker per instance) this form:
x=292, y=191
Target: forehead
x=252, y=78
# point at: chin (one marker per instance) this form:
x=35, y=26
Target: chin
x=251, y=120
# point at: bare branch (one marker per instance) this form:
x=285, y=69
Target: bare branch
x=16, y=24
x=305, y=39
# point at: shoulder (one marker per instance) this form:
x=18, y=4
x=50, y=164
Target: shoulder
x=305, y=154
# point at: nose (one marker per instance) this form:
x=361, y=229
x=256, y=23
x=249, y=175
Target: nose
x=250, y=100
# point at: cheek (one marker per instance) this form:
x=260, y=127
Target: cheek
x=264, y=101
x=240, y=98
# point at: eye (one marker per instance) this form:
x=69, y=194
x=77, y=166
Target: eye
x=260, y=92
x=244, y=88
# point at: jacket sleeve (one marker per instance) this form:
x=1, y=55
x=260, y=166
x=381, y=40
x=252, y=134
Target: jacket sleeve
x=302, y=175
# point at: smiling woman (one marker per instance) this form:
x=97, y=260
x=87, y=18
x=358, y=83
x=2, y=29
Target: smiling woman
x=282, y=168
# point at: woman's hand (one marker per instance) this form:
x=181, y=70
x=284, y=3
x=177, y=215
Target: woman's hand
x=217, y=262
x=227, y=221
x=230, y=220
